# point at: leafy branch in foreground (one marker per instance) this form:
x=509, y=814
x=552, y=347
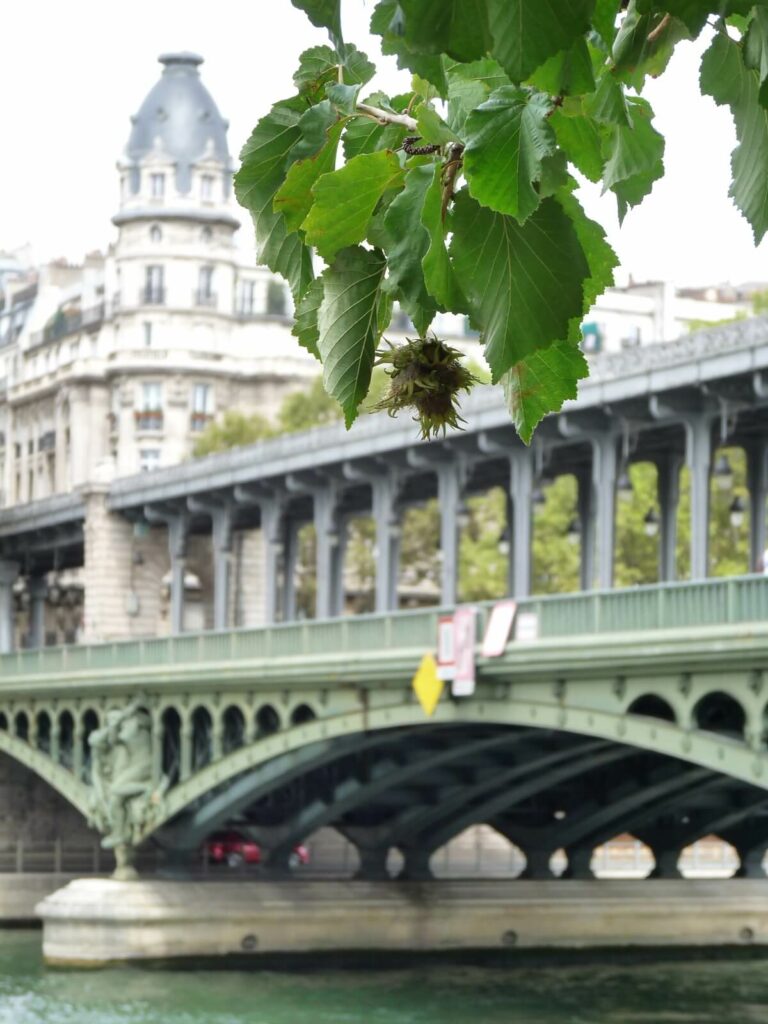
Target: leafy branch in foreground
x=458, y=195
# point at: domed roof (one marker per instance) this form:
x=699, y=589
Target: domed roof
x=181, y=117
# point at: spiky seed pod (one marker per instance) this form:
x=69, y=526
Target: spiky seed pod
x=427, y=376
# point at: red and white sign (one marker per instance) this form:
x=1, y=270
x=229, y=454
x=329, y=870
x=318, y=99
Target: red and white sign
x=498, y=629
x=464, y=634
x=446, y=660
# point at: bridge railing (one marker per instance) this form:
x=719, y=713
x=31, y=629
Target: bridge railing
x=711, y=602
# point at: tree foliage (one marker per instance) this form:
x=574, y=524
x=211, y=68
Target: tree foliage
x=458, y=194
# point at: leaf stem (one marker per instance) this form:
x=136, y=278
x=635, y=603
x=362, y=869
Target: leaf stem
x=386, y=117
x=660, y=29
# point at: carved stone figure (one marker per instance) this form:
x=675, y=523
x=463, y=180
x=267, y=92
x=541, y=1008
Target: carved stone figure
x=123, y=801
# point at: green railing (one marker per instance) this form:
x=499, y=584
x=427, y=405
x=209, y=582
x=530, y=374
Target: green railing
x=736, y=599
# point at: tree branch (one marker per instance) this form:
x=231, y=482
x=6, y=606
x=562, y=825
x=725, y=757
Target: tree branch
x=385, y=117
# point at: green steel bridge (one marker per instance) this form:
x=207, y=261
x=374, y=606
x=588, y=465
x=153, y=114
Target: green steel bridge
x=639, y=711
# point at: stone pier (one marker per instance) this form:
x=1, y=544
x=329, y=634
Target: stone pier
x=93, y=922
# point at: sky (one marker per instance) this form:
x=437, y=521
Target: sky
x=72, y=73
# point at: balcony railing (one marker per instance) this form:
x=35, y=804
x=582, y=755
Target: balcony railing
x=149, y=419
x=151, y=296
x=199, y=420
x=64, y=323
x=203, y=298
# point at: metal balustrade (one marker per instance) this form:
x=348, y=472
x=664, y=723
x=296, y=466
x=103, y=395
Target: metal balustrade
x=737, y=599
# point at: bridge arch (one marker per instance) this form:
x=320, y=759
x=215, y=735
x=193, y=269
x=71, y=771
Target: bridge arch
x=260, y=766
x=720, y=713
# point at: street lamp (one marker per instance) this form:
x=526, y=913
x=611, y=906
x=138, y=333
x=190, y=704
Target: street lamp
x=573, y=533
x=463, y=516
x=504, y=541
x=624, y=486
x=736, y=511
x=723, y=473
x=651, y=523
x=538, y=498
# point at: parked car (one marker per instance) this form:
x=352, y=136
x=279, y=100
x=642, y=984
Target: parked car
x=235, y=850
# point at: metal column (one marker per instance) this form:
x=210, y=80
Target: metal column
x=757, y=482
x=9, y=572
x=387, y=520
x=520, y=522
x=449, y=496
x=604, y=462
x=668, y=490
x=328, y=551
x=38, y=591
x=698, y=457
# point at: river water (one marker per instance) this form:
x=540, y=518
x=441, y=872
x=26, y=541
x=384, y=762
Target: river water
x=654, y=991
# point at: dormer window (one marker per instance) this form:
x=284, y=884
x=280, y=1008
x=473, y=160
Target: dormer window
x=157, y=185
x=206, y=187
x=155, y=233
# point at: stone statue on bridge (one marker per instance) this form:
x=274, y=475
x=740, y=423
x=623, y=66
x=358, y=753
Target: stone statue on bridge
x=124, y=800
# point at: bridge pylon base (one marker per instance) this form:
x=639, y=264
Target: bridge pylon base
x=92, y=922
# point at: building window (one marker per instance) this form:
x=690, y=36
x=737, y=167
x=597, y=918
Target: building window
x=149, y=459
x=147, y=328
x=591, y=337
x=275, y=299
x=205, y=295
x=149, y=415
x=154, y=285
x=157, y=185
x=206, y=234
x=155, y=233
x=202, y=406
x=206, y=187
x=246, y=300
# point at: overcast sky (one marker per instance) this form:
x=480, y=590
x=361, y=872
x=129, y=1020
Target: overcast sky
x=72, y=73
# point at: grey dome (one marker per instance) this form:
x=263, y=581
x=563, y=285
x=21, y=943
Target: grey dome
x=180, y=112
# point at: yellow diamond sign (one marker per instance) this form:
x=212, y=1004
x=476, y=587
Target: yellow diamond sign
x=427, y=685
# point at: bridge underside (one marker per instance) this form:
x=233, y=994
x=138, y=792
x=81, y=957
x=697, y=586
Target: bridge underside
x=415, y=788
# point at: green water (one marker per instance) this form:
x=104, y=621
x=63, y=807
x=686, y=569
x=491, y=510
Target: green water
x=661, y=992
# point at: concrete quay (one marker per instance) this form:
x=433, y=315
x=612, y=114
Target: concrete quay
x=92, y=922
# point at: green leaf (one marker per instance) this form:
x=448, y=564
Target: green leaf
x=528, y=32
x=524, y=283
x=756, y=50
x=506, y=139
x=432, y=128
x=608, y=104
x=294, y=197
x=387, y=21
x=568, y=73
x=323, y=14
x=580, y=140
x=343, y=97
x=635, y=158
x=604, y=19
x=725, y=78
x=439, y=275
x=346, y=198
x=319, y=66
x=540, y=383
x=693, y=13
x=314, y=125
x=601, y=259
x=263, y=162
x=456, y=27
x=305, y=318
x=366, y=135
x=408, y=244
x=469, y=85
x=645, y=42
x=348, y=325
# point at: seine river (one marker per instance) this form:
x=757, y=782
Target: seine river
x=661, y=992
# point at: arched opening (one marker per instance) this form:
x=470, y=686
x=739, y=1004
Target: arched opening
x=21, y=725
x=267, y=721
x=484, y=546
x=709, y=857
x=233, y=733
x=302, y=714
x=557, y=535
x=171, y=726
x=66, y=739
x=90, y=724
x=637, y=525
x=155, y=233
x=44, y=732
x=624, y=856
x=652, y=707
x=419, y=555
x=479, y=851
x=720, y=713
x=3, y=721
x=202, y=731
